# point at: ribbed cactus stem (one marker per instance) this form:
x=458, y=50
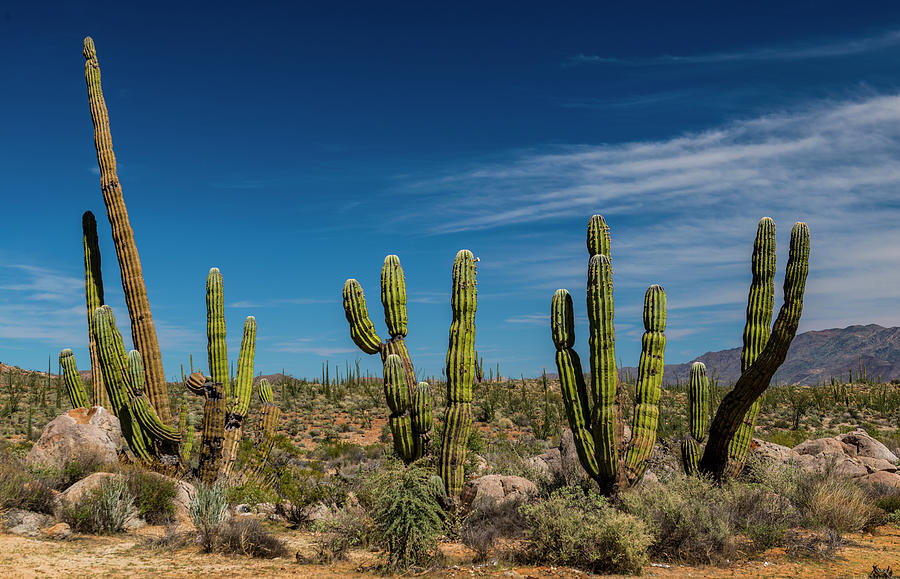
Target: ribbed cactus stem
x=188, y=445
x=74, y=385
x=113, y=362
x=93, y=293
x=760, y=303
x=213, y=432
x=239, y=403
x=393, y=296
x=167, y=438
x=698, y=417
x=397, y=396
x=143, y=332
x=215, y=330
x=649, y=383
x=422, y=417
x=460, y=372
x=754, y=381
x=571, y=380
x=606, y=418
x=362, y=330
x=265, y=438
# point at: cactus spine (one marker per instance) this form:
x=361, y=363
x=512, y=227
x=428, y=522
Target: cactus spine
x=74, y=385
x=596, y=418
x=460, y=372
x=93, y=293
x=755, y=379
x=698, y=417
x=143, y=332
x=399, y=373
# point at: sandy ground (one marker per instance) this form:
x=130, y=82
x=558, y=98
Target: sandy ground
x=128, y=556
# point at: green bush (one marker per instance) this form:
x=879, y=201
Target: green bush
x=154, y=495
x=349, y=527
x=104, y=510
x=208, y=509
x=405, y=509
x=581, y=529
x=251, y=493
x=19, y=489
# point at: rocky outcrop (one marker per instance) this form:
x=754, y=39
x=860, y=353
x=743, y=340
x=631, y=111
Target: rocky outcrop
x=82, y=435
x=854, y=455
x=28, y=523
x=497, y=489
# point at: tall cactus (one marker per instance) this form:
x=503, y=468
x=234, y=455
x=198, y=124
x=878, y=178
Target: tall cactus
x=756, y=378
x=596, y=418
x=143, y=332
x=93, y=293
x=698, y=417
x=239, y=402
x=460, y=372
x=362, y=332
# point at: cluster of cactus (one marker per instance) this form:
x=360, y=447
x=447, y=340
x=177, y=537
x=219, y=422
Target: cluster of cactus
x=410, y=403
x=594, y=413
x=132, y=384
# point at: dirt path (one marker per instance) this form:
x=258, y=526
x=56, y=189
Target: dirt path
x=127, y=556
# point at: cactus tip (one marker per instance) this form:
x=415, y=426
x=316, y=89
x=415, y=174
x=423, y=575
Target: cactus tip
x=65, y=353
x=89, y=51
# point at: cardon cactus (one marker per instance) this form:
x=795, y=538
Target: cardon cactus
x=74, y=384
x=764, y=349
x=460, y=372
x=93, y=293
x=399, y=374
x=595, y=414
x=143, y=332
x=698, y=417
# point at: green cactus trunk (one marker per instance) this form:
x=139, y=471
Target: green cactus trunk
x=265, y=436
x=74, y=385
x=698, y=418
x=239, y=404
x=460, y=372
x=760, y=303
x=754, y=381
x=93, y=293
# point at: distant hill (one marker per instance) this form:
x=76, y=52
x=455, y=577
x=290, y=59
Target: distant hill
x=814, y=357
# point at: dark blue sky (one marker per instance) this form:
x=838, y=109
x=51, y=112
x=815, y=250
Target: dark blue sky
x=294, y=147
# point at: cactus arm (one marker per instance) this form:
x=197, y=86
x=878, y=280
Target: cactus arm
x=188, y=446
x=650, y=373
x=760, y=303
x=422, y=417
x=142, y=410
x=72, y=378
x=571, y=380
x=755, y=380
x=598, y=242
x=269, y=414
x=93, y=293
x=362, y=330
x=698, y=417
x=213, y=426
x=239, y=403
x=393, y=296
x=215, y=330
x=460, y=372
x=143, y=332
x=605, y=417
x=113, y=361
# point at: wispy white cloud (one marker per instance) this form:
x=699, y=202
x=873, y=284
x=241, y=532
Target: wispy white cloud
x=311, y=346
x=795, y=52
x=277, y=302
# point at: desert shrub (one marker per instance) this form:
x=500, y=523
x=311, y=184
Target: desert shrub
x=208, y=509
x=511, y=457
x=103, y=510
x=490, y=520
x=304, y=487
x=885, y=497
x=62, y=478
x=20, y=490
x=406, y=512
x=581, y=529
x=252, y=493
x=688, y=517
x=349, y=527
x=246, y=536
x=154, y=495
x=840, y=505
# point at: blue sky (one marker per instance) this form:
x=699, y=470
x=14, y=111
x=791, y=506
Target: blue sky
x=296, y=147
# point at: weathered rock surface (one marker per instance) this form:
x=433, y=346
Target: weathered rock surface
x=497, y=489
x=82, y=435
x=22, y=522
x=854, y=455
x=58, y=532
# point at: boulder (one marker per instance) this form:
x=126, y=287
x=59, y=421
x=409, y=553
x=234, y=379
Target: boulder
x=547, y=464
x=821, y=446
x=771, y=451
x=497, y=489
x=882, y=477
x=22, y=522
x=81, y=435
x=877, y=464
x=866, y=446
